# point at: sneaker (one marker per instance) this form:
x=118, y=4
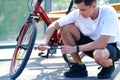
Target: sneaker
x=76, y=71
x=106, y=72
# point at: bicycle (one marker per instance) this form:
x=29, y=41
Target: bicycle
x=26, y=40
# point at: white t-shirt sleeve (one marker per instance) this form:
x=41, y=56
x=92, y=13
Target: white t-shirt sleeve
x=109, y=23
x=70, y=18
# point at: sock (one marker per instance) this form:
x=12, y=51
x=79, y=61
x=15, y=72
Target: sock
x=79, y=62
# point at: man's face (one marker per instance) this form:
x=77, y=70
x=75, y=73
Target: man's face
x=85, y=11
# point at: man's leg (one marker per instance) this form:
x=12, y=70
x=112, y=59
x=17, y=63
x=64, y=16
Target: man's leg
x=105, y=58
x=101, y=57
x=70, y=34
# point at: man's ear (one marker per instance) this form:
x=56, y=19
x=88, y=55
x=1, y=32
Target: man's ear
x=94, y=5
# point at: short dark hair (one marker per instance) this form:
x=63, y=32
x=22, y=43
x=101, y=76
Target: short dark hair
x=87, y=2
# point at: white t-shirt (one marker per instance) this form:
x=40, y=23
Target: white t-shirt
x=106, y=23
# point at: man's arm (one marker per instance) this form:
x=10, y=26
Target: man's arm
x=98, y=44
x=101, y=43
x=50, y=30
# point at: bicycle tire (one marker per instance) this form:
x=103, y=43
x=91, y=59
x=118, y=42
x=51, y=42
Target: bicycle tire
x=68, y=59
x=19, y=61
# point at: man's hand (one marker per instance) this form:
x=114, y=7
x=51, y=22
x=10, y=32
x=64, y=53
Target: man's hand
x=41, y=47
x=68, y=49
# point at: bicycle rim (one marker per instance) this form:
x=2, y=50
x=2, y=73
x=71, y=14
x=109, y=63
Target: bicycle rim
x=68, y=59
x=23, y=50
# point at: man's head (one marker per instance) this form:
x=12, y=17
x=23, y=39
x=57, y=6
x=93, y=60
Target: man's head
x=87, y=7
x=87, y=2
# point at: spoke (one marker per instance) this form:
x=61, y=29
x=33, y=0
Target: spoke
x=20, y=58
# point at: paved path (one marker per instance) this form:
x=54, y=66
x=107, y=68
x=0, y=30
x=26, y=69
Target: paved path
x=52, y=68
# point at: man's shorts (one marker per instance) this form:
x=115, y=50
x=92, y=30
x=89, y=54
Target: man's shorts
x=112, y=48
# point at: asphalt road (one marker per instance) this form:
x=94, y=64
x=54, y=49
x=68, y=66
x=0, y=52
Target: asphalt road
x=52, y=68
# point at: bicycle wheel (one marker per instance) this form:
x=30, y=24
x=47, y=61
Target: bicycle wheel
x=68, y=59
x=23, y=49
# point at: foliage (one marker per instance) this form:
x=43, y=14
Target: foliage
x=12, y=13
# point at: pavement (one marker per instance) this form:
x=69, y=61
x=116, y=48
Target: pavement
x=51, y=68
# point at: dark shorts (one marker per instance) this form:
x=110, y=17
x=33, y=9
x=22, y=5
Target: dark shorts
x=112, y=48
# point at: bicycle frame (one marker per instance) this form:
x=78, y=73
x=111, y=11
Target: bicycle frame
x=39, y=11
x=55, y=40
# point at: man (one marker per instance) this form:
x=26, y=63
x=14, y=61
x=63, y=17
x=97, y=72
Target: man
x=93, y=30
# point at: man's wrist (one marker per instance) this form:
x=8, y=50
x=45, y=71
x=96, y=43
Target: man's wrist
x=77, y=49
x=46, y=42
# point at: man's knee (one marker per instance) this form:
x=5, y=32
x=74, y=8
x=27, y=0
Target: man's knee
x=66, y=28
x=100, y=55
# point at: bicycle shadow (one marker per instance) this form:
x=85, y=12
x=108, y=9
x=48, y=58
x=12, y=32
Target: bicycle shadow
x=5, y=77
x=51, y=70
x=54, y=71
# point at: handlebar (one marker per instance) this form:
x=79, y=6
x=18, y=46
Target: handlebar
x=70, y=7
